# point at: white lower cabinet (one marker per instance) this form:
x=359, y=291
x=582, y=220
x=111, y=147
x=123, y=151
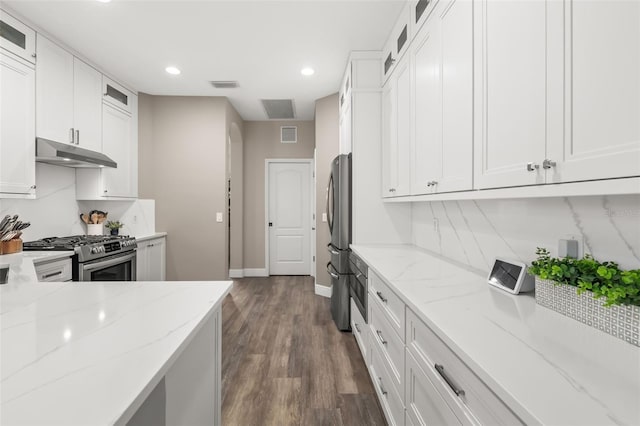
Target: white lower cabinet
x=151, y=260
x=425, y=405
x=389, y=344
x=54, y=270
x=391, y=402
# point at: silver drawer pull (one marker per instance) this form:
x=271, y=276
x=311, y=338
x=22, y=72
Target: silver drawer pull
x=454, y=388
x=381, y=296
x=379, y=333
x=53, y=274
x=384, y=392
x=357, y=328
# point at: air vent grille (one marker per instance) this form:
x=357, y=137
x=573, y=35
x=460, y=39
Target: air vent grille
x=289, y=134
x=224, y=84
x=279, y=109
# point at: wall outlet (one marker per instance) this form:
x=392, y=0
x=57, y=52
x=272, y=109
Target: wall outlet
x=324, y=217
x=571, y=245
x=218, y=216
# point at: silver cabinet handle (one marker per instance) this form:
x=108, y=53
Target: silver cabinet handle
x=432, y=183
x=531, y=167
x=359, y=274
x=454, y=388
x=392, y=190
x=547, y=164
x=33, y=187
x=381, y=296
x=379, y=333
x=77, y=137
x=72, y=136
x=357, y=327
x=53, y=274
x=384, y=392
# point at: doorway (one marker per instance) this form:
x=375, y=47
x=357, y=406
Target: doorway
x=288, y=207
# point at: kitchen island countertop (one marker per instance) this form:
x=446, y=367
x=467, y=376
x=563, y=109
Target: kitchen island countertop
x=90, y=353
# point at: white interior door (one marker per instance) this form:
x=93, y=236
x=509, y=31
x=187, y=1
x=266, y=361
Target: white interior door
x=289, y=218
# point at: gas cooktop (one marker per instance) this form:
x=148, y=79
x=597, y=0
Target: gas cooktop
x=87, y=247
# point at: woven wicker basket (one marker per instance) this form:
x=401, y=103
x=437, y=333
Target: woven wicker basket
x=622, y=322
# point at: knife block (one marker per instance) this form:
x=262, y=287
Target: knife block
x=11, y=246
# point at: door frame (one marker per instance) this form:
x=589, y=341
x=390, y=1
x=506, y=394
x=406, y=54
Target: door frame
x=312, y=198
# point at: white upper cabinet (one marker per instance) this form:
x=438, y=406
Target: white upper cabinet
x=420, y=12
x=68, y=98
x=442, y=61
x=17, y=127
x=117, y=145
x=601, y=64
x=396, y=135
x=87, y=106
x=511, y=92
x=17, y=38
x=54, y=94
x=397, y=43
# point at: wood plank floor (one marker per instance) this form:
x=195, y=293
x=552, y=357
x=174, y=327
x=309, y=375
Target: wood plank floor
x=285, y=363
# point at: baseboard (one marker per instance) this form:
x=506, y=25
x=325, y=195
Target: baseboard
x=236, y=273
x=255, y=272
x=322, y=290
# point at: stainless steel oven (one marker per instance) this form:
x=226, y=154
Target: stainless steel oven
x=120, y=267
x=358, y=287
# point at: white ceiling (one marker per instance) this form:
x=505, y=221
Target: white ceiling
x=261, y=44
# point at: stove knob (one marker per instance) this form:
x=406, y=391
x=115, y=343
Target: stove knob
x=93, y=250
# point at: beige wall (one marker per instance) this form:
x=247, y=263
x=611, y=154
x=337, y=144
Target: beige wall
x=183, y=166
x=327, y=147
x=262, y=141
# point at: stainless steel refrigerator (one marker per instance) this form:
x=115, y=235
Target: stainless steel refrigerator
x=339, y=220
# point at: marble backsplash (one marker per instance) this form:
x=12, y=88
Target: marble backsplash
x=56, y=212
x=475, y=232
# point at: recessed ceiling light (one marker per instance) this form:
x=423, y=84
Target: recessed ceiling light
x=172, y=70
x=307, y=71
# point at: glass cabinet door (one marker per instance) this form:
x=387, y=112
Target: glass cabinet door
x=17, y=38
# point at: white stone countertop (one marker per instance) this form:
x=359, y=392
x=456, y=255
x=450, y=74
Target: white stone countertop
x=151, y=237
x=548, y=368
x=90, y=353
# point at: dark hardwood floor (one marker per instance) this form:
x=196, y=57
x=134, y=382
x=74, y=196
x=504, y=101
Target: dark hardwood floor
x=285, y=363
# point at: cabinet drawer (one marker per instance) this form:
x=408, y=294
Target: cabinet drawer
x=424, y=404
x=360, y=331
x=389, y=399
x=474, y=397
x=57, y=270
x=391, y=305
x=389, y=344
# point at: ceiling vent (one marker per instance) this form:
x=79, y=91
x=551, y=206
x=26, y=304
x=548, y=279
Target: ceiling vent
x=289, y=134
x=279, y=109
x=224, y=84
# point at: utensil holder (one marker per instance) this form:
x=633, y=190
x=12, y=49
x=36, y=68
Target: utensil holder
x=95, y=229
x=11, y=246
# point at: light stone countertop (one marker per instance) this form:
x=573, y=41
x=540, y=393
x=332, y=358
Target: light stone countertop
x=548, y=368
x=151, y=237
x=86, y=353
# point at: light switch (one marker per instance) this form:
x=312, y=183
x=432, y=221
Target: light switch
x=324, y=217
x=218, y=216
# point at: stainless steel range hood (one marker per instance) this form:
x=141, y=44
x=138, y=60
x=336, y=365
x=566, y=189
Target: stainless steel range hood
x=61, y=154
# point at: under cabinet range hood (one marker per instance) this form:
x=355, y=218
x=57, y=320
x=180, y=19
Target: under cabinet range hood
x=61, y=154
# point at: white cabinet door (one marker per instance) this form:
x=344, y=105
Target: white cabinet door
x=345, y=126
x=116, y=143
x=424, y=404
x=87, y=106
x=151, y=260
x=510, y=92
x=455, y=19
x=17, y=38
x=396, y=135
x=427, y=141
x=54, y=95
x=17, y=127
x=601, y=61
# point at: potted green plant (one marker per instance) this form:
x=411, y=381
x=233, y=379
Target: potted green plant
x=114, y=226
x=596, y=293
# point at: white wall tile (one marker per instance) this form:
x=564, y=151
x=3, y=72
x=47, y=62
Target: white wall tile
x=475, y=232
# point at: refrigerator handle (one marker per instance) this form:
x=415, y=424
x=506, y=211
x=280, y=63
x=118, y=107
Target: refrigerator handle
x=329, y=270
x=331, y=250
x=329, y=197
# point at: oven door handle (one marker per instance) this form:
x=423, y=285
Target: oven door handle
x=100, y=264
